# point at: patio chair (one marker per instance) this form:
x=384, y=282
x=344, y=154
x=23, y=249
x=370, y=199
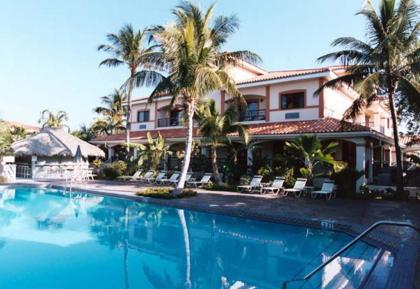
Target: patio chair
x=298, y=187
x=204, y=180
x=134, y=177
x=254, y=185
x=173, y=179
x=147, y=176
x=276, y=187
x=327, y=190
x=159, y=177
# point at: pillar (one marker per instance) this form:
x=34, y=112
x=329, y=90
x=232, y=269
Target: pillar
x=360, y=164
x=110, y=153
x=249, y=158
x=369, y=162
x=33, y=166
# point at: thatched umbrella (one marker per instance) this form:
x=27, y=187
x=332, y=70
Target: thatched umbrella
x=55, y=142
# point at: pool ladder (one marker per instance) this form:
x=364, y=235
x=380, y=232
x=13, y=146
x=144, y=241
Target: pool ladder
x=348, y=245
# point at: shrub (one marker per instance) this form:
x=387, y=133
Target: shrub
x=216, y=187
x=114, y=170
x=165, y=193
x=345, y=180
x=266, y=172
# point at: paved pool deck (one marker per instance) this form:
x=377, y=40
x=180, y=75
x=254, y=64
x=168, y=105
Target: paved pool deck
x=351, y=216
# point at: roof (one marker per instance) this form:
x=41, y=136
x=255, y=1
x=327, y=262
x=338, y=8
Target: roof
x=291, y=73
x=410, y=140
x=55, y=142
x=325, y=125
x=28, y=127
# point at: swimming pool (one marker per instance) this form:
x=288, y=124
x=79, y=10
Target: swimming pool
x=52, y=239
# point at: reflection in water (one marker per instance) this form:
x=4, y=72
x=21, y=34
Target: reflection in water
x=104, y=242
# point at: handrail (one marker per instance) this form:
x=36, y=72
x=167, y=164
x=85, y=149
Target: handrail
x=348, y=245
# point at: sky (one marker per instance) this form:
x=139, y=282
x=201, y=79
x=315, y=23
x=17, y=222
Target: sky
x=49, y=58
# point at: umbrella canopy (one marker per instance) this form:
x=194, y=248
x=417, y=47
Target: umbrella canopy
x=55, y=142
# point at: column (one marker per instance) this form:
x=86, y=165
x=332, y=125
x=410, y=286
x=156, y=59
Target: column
x=369, y=162
x=110, y=153
x=249, y=159
x=360, y=164
x=33, y=166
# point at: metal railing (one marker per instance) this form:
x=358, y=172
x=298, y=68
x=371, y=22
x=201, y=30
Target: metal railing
x=253, y=115
x=171, y=121
x=348, y=245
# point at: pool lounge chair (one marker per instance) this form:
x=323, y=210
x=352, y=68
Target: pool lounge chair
x=275, y=188
x=327, y=190
x=254, y=185
x=145, y=178
x=134, y=177
x=298, y=188
x=159, y=178
x=204, y=180
x=173, y=179
x=187, y=179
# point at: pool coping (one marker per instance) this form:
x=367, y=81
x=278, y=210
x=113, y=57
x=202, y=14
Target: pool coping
x=402, y=272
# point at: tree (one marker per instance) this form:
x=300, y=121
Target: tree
x=112, y=113
x=387, y=64
x=53, y=120
x=153, y=151
x=310, y=152
x=84, y=133
x=193, y=64
x=18, y=133
x=215, y=128
x=127, y=48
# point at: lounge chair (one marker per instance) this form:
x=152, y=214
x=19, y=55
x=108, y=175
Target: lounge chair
x=172, y=180
x=298, y=188
x=147, y=176
x=254, y=185
x=327, y=190
x=159, y=178
x=134, y=177
x=204, y=180
x=276, y=187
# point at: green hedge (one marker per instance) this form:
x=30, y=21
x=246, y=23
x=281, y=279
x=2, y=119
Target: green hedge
x=165, y=193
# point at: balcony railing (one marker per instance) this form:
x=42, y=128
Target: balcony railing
x=168, y=122
x=253, y=115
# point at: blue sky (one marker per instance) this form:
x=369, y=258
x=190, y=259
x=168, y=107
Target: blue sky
x=49, y=58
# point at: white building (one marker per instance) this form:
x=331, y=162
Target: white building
x=281, y=106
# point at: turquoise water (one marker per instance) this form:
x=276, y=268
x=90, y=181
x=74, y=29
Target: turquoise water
x=51, y=239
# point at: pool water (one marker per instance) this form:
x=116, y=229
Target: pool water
x=52, y=239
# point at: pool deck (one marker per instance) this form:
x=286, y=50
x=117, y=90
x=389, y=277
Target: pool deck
x=351, y=216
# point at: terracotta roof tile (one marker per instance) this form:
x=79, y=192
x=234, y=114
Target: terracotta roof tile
x=290, y=73
x=326, y=125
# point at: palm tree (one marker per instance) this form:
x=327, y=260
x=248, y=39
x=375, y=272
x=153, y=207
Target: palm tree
x=194, y=65
x=387, y=64
x=215, y=127
x=84, y=133
x=113, y=113
x=53, y=120
x=310, y=152
x=127, y=48
x=18, y=133
x=153, y=151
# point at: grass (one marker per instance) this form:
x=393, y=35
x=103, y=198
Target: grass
x=165, y=193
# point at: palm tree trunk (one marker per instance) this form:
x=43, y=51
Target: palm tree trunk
x=128, y=124
x=188, y=149
x=399, y=176
x=183, y=221
x=216, y=173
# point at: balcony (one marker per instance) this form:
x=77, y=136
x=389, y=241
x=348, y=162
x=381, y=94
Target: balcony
x=170, y=121
x=253, y=115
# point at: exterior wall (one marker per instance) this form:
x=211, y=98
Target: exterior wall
x=239, y=73
x=311, y=110
x=336, y=103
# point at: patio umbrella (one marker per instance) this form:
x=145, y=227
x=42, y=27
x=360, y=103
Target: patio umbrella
x=78, y=154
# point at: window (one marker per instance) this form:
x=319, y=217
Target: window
x=143, y=116
x=292, y=100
